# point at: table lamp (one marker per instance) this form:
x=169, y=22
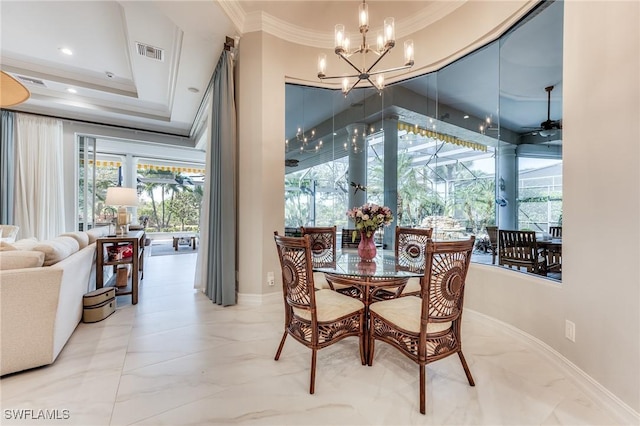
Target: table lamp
x=122, y=198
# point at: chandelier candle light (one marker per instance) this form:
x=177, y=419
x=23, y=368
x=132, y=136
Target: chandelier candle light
x=385, y=41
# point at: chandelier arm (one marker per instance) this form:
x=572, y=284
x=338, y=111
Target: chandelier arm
x=338, y=76
x=404, y=67
x=374, y=85
x=352, y=87
x=350, y=63
x=378, y=60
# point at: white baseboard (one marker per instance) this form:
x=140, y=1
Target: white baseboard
x=252, y=299
x=591, y=387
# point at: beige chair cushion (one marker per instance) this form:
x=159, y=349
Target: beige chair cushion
x=81, y=237
x=412, y=286
x=405, y=313
x=18, y=259
x=319, y=281
x=57, y=249
x=330, y=306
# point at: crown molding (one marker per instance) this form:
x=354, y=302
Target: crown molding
x=262, y=21
x=235, y=13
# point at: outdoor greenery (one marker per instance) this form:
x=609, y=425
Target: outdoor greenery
x=424, y=192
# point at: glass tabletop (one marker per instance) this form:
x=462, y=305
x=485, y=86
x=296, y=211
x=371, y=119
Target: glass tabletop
x=348, y=263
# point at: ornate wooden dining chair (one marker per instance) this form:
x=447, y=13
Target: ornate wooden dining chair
x=492, y=232
x=555, y=231
x=520, y=249
x=427, y=328
x=315, y=318
x=323, y=251
x=410, y=245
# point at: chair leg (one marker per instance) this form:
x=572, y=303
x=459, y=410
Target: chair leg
x=284, y=337
x=370, y=349
x=423, y=384
x=363, y=359
x=312, y=388
x=466, y=369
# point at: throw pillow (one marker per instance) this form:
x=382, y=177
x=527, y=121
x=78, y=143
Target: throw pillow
x=25, y=243
x=18, y=259
x=81, y=237
x=57, y=249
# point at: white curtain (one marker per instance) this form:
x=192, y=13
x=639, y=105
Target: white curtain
x=39, y=190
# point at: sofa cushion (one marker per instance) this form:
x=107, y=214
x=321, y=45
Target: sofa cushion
x=95, y=233
x=18, y=259
x=81, y=237
x=57, y=249
x=23, y=244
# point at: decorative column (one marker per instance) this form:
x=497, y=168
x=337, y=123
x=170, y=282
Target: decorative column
x=507, y=187
x=357, y=163
x=390, y=127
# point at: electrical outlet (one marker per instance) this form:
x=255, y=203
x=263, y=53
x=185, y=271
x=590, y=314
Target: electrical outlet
x=271, y=280
x=570, y=330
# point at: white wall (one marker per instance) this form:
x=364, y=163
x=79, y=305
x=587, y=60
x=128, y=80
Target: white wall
x=601, y=280
x=600, y=290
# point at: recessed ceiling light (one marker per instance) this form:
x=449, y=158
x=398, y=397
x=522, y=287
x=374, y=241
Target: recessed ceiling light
x=71, y=90
x=193, y=90
x=466, y=116
x=66, y=51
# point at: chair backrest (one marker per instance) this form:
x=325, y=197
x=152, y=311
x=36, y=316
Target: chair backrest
x=410, y=248
x=323, y=245
x=9, y=233
x=446, y=266
x=347, y=238
x=517, y=247
x=492, y=232
x=555, y=231
x=297, y=272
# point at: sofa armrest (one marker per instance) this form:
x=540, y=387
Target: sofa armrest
x=28, y=307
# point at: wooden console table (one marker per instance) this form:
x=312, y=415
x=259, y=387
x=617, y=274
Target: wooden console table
x=136, y=240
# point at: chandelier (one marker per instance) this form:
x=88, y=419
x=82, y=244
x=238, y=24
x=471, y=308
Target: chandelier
x=384, y=43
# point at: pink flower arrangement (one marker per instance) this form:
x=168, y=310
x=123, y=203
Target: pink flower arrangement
x=370, y=217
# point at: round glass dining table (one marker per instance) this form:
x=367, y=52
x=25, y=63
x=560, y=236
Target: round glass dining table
x=364, y=280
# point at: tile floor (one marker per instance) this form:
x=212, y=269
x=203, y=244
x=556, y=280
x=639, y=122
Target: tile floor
x=177, y=359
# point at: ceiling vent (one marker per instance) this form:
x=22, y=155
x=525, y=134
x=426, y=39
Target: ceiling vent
x=31, y=80
x=151, y=52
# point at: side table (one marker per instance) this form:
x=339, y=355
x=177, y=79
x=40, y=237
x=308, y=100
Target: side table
x=136, y=240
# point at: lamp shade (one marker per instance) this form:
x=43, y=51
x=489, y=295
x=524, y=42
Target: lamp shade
x=12, y=92
x=120, y=196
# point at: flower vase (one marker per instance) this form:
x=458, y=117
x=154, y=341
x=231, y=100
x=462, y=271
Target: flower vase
x=367, y=247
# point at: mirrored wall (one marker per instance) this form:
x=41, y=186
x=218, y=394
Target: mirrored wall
x=475, y=144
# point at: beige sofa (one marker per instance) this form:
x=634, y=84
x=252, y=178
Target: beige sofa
x=41, y=289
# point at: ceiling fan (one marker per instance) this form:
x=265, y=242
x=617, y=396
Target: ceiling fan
x=548, y=127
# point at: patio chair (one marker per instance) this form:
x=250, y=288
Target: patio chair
x=347, y=238
x=315, y=318
x=519, y=249
x=427, y=328
x=555, y=231
x=492, y=232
